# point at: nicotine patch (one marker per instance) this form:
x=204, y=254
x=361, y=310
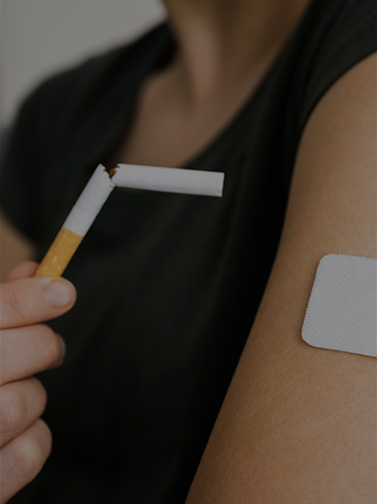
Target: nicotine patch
x=342, y=309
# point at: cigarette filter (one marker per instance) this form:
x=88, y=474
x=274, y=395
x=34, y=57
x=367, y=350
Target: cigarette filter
x=77, y=224
x=99, y=188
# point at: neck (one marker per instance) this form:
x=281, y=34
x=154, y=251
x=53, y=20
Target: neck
x=220, y=40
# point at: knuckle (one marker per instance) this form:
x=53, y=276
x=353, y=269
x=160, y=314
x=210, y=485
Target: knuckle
x=1, y=349
x=29, y=454
x=10, y=305
x=39, y=392
x=48, y=344
x=5, y=361
x=12, y=412
x=15, y=408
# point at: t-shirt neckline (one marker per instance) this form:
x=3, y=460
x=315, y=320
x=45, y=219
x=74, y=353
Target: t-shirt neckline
x=163, y=53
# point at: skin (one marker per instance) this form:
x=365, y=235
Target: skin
x=298, y=423
x=27, y=347
x=224, y=51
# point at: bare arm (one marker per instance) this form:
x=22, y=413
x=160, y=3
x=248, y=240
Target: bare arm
x=298, y=424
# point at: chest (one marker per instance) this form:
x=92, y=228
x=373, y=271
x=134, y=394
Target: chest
x=167, y=130
x=163, y=135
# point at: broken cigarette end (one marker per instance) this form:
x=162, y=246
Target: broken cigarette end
x=99, y=188
x=111, y=172
x=78, y=222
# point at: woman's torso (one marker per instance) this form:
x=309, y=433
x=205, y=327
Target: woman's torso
x=168, y=285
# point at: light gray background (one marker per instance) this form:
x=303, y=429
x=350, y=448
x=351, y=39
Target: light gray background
x=39, y=37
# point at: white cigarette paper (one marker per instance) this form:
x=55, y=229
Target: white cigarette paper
x=99, y=188
x=90, y=202
x=175, y=180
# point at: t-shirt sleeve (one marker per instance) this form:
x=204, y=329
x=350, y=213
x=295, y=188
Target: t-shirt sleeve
x=55, y=142
x=19, y=178
x=348, y=37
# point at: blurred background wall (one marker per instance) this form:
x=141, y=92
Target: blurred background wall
x=39, y=37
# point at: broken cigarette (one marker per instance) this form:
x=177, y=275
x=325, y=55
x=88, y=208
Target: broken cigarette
x=99, y=188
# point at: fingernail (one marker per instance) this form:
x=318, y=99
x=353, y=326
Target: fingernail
x=59, y=294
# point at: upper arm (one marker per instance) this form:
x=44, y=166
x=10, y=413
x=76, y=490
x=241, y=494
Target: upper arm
x=298, y=424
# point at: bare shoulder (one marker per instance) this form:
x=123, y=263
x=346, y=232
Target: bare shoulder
x=298, y=424
x=14, y=247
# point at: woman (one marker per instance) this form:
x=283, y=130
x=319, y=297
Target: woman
x=277, y=95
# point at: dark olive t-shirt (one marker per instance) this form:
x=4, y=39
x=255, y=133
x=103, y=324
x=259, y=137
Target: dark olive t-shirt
x=168, y=285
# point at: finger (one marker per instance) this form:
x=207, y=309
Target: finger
x=24, y=270
x=22, y=403
x=29, y=350
x=23, y=458
x=33, y=300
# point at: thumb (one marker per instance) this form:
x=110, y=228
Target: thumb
x=24, y=270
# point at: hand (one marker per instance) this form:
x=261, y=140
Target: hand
x=27, y=347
